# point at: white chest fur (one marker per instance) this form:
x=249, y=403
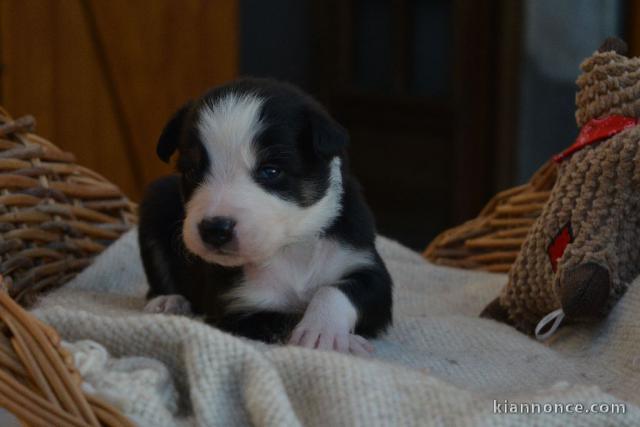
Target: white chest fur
x=288, y=281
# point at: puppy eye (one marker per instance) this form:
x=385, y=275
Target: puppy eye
x=269, y=173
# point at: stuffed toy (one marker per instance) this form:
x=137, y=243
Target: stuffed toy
x=584, y=249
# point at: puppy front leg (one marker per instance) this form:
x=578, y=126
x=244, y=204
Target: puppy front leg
x=163, y=296
x=267, y=326
x=370, y=292
x=328, y=324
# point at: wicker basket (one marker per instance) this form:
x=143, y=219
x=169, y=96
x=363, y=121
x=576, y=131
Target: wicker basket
x=491, y=241
x=55, y=215
x=38, y=381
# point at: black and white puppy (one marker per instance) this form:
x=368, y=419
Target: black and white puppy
x=263, y=231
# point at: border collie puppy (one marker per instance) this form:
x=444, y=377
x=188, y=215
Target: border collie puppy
x=263, y=231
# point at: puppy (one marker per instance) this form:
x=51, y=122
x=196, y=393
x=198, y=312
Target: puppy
x=263, y=231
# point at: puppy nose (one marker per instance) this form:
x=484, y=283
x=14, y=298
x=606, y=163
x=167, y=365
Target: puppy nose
x=217, y=231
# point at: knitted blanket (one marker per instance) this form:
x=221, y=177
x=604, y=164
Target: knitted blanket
x=439, y=364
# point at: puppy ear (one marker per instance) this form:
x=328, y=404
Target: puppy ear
x=328, y=137
x=172, y=132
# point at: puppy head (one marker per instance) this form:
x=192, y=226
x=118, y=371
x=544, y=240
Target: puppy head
x=261, y=168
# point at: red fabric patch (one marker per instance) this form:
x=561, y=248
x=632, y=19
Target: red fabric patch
x=596, y=130
x=559, y=244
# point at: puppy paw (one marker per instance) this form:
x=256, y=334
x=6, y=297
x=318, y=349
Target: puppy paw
x=169, y=304
x=327, y=324
x=325, y=339
x=359, y=345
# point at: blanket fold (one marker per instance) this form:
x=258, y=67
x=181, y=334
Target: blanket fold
x=439, y=364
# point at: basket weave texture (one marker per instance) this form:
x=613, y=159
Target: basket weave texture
x=492, y=241
x=55, y=215
x=38, y=381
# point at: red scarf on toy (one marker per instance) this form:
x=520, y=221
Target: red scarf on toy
x=596, y=130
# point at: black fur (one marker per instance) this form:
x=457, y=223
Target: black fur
x=301, y=138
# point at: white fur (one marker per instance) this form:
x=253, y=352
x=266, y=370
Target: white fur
x=289, y=280
x=228, y=130
x=331, y=310
x=265, y=223
x=328, y=324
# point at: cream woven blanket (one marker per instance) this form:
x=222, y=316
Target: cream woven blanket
x=439, y=364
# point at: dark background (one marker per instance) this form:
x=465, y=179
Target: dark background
x=447, y=102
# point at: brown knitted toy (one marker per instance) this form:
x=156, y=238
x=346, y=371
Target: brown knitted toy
x=584, y=249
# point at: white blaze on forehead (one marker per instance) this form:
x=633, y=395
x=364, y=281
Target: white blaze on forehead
x=228, y=128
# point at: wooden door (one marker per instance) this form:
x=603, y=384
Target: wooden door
x=427, y=90
x=102, y=77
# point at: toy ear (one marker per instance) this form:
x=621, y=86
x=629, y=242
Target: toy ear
x=496, y=311
x=172, y=132
x=614, y=44
x=329, y=139
x=584, y=291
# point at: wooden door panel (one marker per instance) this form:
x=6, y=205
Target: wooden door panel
x=174, y=51
x=51, y=70
x=103, y=77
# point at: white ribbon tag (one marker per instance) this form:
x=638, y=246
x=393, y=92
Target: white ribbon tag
x=556, y=316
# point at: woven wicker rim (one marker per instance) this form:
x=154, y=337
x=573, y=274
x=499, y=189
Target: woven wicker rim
x=39, y=383
x=55, y=215
x=492, y=241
